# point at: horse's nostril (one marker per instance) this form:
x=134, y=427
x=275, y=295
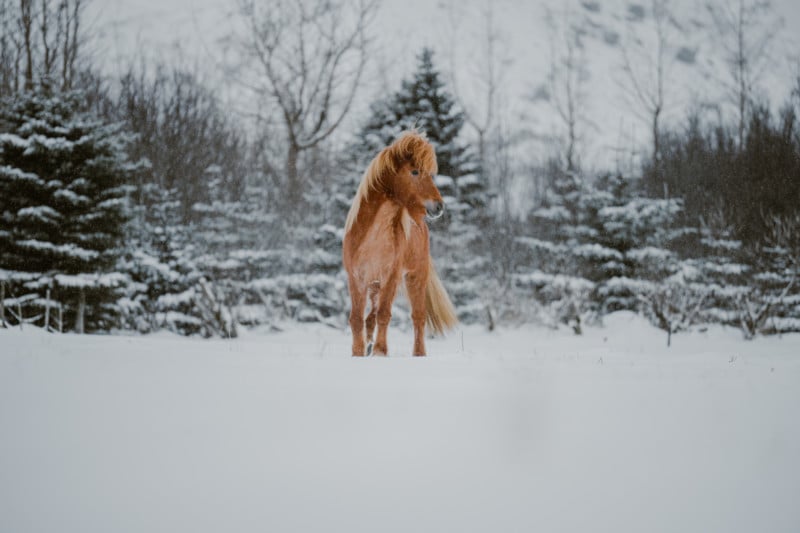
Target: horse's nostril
x=434, y=209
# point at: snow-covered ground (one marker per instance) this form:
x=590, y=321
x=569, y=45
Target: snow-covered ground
x=517, y=430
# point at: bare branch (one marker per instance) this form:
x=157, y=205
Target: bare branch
x=566, y=79
x=746, y=30
x=646, y=69
x=312, y=57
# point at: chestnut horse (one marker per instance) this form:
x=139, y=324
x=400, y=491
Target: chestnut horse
x=386, y=242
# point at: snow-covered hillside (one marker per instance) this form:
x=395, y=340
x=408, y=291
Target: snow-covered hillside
x=517, y=430
x=202, y=31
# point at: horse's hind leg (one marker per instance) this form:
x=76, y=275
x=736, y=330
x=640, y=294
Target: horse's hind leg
x=358, y=301
x=415, y=287
x=372, y=293
x=387, y=292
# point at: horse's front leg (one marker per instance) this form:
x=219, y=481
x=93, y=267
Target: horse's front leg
x=372, y=294
x=415, y=287
x=385, y=300
x=358, y=300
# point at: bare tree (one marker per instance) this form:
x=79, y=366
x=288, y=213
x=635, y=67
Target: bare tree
x=71, y=15
x=9, y=49
x=646, y=68
x=49, y=42
x=754, y=307
x=746, y=29
x=480, y=105
x=783, y=235
x=567, y=77
x=672, y=306
x=312, y=55
x=35, y=36
x=26, y=30
x=182, y=131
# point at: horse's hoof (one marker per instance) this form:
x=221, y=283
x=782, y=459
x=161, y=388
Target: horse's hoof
x=369, y=349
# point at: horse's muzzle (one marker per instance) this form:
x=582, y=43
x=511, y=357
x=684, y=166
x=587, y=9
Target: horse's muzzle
x=434, y=209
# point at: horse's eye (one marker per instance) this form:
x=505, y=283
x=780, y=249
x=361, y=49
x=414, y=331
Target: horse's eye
x=415, y=172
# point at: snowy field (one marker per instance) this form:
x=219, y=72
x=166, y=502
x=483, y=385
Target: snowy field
x=518, y=430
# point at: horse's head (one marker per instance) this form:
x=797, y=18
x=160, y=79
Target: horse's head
x=414, y=165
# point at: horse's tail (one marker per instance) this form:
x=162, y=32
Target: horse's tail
x=440, y=310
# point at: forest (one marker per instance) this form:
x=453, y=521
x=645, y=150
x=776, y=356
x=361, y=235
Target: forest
x=140, y=200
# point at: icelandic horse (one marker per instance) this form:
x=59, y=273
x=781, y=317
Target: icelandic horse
x=386, y=242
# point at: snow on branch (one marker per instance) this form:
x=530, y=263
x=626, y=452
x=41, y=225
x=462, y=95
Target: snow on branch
x=12, y=173
x=93, y=281
x=66, y=250
x=41, y=214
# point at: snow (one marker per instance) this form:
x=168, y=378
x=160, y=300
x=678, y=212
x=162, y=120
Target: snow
x=623, y=284
x=14, y=140
x=649, y=253
x=166, y=301
x=76, y=281
x=517, y=430
x=596, y=252
x=112, y=203
x=41, y=213
x=557, y=213
x=554, y=281
x=12, y=275
x=17, y=174
x=66, y=250
x=71, y=197
x=42, y=143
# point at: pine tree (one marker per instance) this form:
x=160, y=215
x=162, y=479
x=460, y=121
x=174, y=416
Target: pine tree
x=422, y=103
x=603, y=247
x=63, y=200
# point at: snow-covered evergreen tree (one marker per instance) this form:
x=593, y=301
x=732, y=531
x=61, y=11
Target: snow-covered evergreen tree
x=599, y=247
x=63, y=176
x=160, y=260
x=423, y=103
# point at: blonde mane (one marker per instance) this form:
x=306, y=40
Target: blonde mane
x=411, y=146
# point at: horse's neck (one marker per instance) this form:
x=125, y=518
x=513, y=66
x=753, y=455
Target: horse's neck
x=370, y=207
x=378, y=203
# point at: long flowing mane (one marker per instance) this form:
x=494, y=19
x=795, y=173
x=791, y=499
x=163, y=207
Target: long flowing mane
x=412, y=146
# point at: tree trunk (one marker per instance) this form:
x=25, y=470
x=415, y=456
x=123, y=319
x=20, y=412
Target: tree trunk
x=47, y=311
x=79, y=321
x=26, y=17
x=2, y=304
x=656, y=137
x=742, y=72
x=294, y=190
x=482, y=155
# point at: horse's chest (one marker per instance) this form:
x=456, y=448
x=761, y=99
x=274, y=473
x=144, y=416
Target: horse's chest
x=385, y=243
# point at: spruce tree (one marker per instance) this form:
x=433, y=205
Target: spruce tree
x=422, y=103
x=63, y=203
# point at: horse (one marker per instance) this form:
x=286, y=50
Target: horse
x=386, y=241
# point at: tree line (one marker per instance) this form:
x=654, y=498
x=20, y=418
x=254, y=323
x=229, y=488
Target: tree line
x=141, y=202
